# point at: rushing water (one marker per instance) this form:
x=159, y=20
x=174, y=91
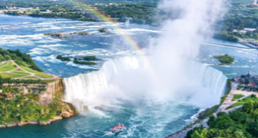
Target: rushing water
x=143, y=115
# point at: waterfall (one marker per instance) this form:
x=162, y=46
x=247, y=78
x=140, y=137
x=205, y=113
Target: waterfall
x=128, y=21
x=128, y=78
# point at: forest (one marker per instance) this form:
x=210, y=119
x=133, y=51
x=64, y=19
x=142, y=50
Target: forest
x=141, y=11
x=240, y=123
x=19, y=57
x=241, y=14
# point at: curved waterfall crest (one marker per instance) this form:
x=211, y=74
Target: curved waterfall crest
x=109, y=83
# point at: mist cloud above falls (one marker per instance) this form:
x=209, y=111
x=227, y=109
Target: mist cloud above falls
x=187, y=24
x=171, y=74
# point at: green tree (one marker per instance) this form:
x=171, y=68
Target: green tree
x=1, y=58
x=7, y=57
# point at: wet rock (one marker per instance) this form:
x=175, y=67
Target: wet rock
x=104, y=30
x=66, y=114
x=11, y=125
x=44, y=123
x=85, y=108
x=22, y=123
x=2, y=126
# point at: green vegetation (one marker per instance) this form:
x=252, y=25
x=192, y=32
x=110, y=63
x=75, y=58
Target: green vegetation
x=225, y=59
x=83, y=62
x=7, y=67
x=20, y=58
x=245, y=100
x=63, y=58
x=226, y=36
x=208, y=112
x=44, y=75
x=228, y=91
x=29, y=70
x=90, y=58
x=140, y=12
x=17, y=65
x=27, y=108
x=14, y=75
x=242, y=14
x=16, y=107
x=239, y=87
x=9, y=70
x=3, y=64
x=237, y=96
x=240, y=123
x=8, y=80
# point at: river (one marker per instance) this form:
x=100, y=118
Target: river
x=143, y=116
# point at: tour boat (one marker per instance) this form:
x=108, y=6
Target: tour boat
x=118, y=128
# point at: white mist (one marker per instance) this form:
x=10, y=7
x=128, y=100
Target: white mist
x=169, y=74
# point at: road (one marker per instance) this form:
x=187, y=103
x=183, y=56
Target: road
x=26, y=71
x=223, y=108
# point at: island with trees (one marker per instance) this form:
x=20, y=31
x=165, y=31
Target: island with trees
x=63, y=58
x=225, y=59
x=239, y=24
x=84, y=60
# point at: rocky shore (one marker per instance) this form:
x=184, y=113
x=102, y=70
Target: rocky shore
x=35, y=122
x=32, y=123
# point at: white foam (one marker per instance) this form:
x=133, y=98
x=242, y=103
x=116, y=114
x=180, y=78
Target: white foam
x=142, y=30
x=45, y=59
x=39, y=51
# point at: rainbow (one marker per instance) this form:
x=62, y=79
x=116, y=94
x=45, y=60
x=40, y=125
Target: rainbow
x=94, y=13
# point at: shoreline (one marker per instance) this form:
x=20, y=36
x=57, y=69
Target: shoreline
x=41, y=123
x=182, y=133
x=226, y=101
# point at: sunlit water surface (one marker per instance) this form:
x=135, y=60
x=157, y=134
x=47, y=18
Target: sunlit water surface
x=143, y=118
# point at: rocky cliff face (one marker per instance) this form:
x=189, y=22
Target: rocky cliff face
x=46, y=91
x=47, y=97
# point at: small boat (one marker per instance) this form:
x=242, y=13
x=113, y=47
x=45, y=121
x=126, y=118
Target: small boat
x=118, y=128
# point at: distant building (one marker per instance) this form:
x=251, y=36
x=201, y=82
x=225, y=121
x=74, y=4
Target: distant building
x=245, y=30
x=112, y=4
x=249, y=29
x=47, y=11
x=248, y=80
x=242, y=31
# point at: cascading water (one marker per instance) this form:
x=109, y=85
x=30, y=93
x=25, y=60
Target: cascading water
x=116, y=88
x=128, y=21
x=161, y=90
x=98, y=88
x=106, y=86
